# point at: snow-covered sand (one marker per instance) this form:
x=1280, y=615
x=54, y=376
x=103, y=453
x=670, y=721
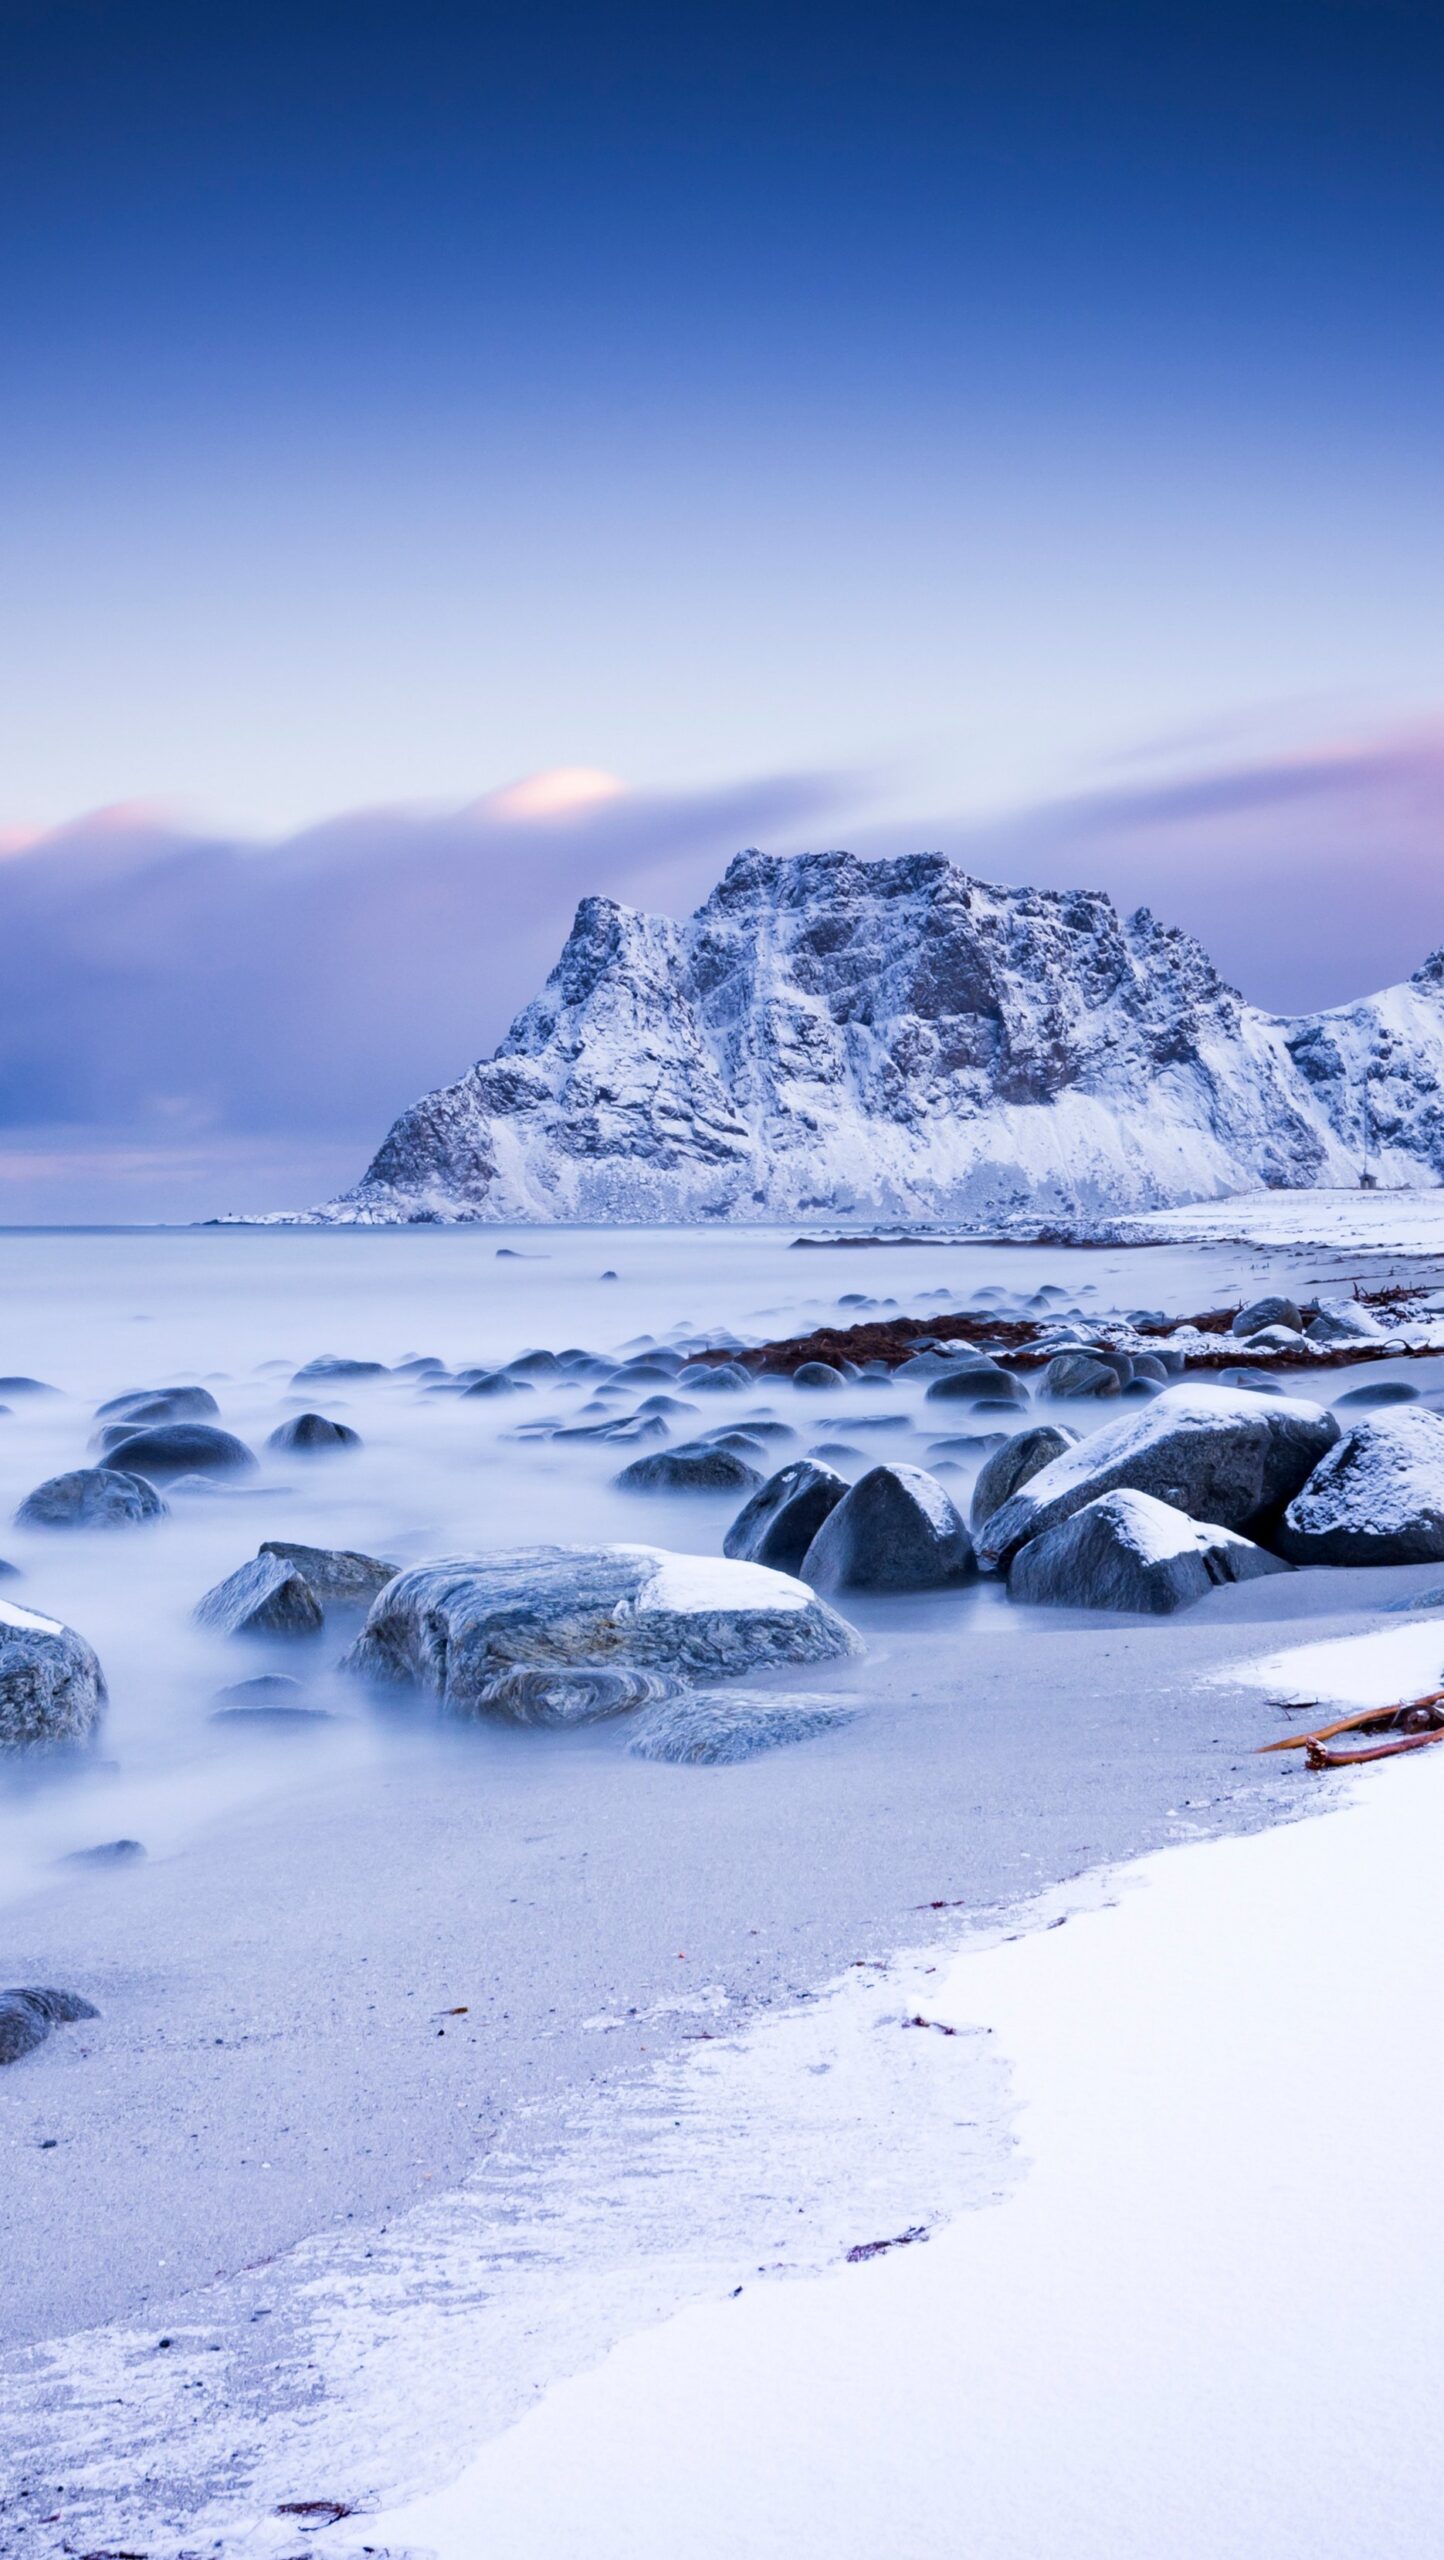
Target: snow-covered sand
x=1203, y=2320
x=1396, y=1224
x=439, y=2072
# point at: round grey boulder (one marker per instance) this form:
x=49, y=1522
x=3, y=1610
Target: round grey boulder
x=1010, y=1467
x=1267, y=1311
x=985, y=1384
x=52, y=1688
x=313, y=1435
x=90, y=1498
x=182, y=1449
x=1078, y=1373
x=817, y=1373
x=1128, y=1551
x=693, y=1469
x=896, y=1529
x=146, y=1405
x=783, y=1517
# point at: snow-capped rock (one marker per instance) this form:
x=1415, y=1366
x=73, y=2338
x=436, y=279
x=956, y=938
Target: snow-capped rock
x=1130, y=1551
x=1377, y=1497
x=1225, y=1456
x=830, y=1037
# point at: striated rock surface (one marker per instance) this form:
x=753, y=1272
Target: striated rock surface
x=828, y=1036
x=456, y=1626
x=52, y=1688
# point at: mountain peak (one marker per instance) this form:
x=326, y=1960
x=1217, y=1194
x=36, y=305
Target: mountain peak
x=829, y=1037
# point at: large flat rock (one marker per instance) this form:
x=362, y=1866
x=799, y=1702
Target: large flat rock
x=452, y=1627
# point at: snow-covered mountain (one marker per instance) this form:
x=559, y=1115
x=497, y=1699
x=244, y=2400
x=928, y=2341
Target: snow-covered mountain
x=834, y=1038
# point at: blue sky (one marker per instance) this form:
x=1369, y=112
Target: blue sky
x=944, y=416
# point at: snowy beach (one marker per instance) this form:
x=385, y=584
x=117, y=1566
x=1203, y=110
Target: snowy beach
x=437, y=2061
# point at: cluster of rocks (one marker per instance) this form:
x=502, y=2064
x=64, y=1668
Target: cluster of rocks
x=1201, y=1486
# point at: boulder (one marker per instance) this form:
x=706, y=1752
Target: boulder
x=313, y=1434
x=896, y=1529
x=1147, y=1364
x=453, y=1626
x=1273, y=1337
x=340, y=1577
x=1376, y=1497
x=266, y=1597
x=1231, y=1457
x=1266, y=1311
x=145, y=1405
x=26, y=1387
x=90, y=1498
x=1014, y=1465
x=182, y=1449
x=1376, y=1392
x=26, y=2018
x=1129, y=1551
x=783, y=1517
x=817, y=1373
x=535, y=1364
x=697, y=1467
x=329, y=1366
x=52, y=1688
x=985, y=1384
x=1344, y=1320
x=497, y=1382
x=704, y=1378
x=713, y=1728
x=1078, y=1373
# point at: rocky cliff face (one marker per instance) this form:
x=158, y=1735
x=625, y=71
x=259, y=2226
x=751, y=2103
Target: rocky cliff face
x=828, y=1037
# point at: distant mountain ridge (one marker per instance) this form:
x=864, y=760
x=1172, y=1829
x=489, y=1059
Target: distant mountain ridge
x=831, y=1038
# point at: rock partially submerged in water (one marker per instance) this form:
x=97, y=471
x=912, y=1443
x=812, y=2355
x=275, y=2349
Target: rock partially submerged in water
x=454, y=1626
x=896, y=1529
x=1377, y=1497
x=313, y=1434
x=266, y=1597
x=1235, y=1458
x=699, y=1468
x=1014, y=1465
x=142, y=1406
x=1079, y=1373
x=784, y=1515
x=26, y=2018
x=182, y=1449
x=90, y=1498
x=341, y=1577
x=52, y=1688
x=714, y=1728
x=1130, y=1551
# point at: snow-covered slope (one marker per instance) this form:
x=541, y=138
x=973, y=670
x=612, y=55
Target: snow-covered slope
x=828, y=1037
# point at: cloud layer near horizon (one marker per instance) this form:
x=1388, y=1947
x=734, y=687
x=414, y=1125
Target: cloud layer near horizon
x=194, y=1024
